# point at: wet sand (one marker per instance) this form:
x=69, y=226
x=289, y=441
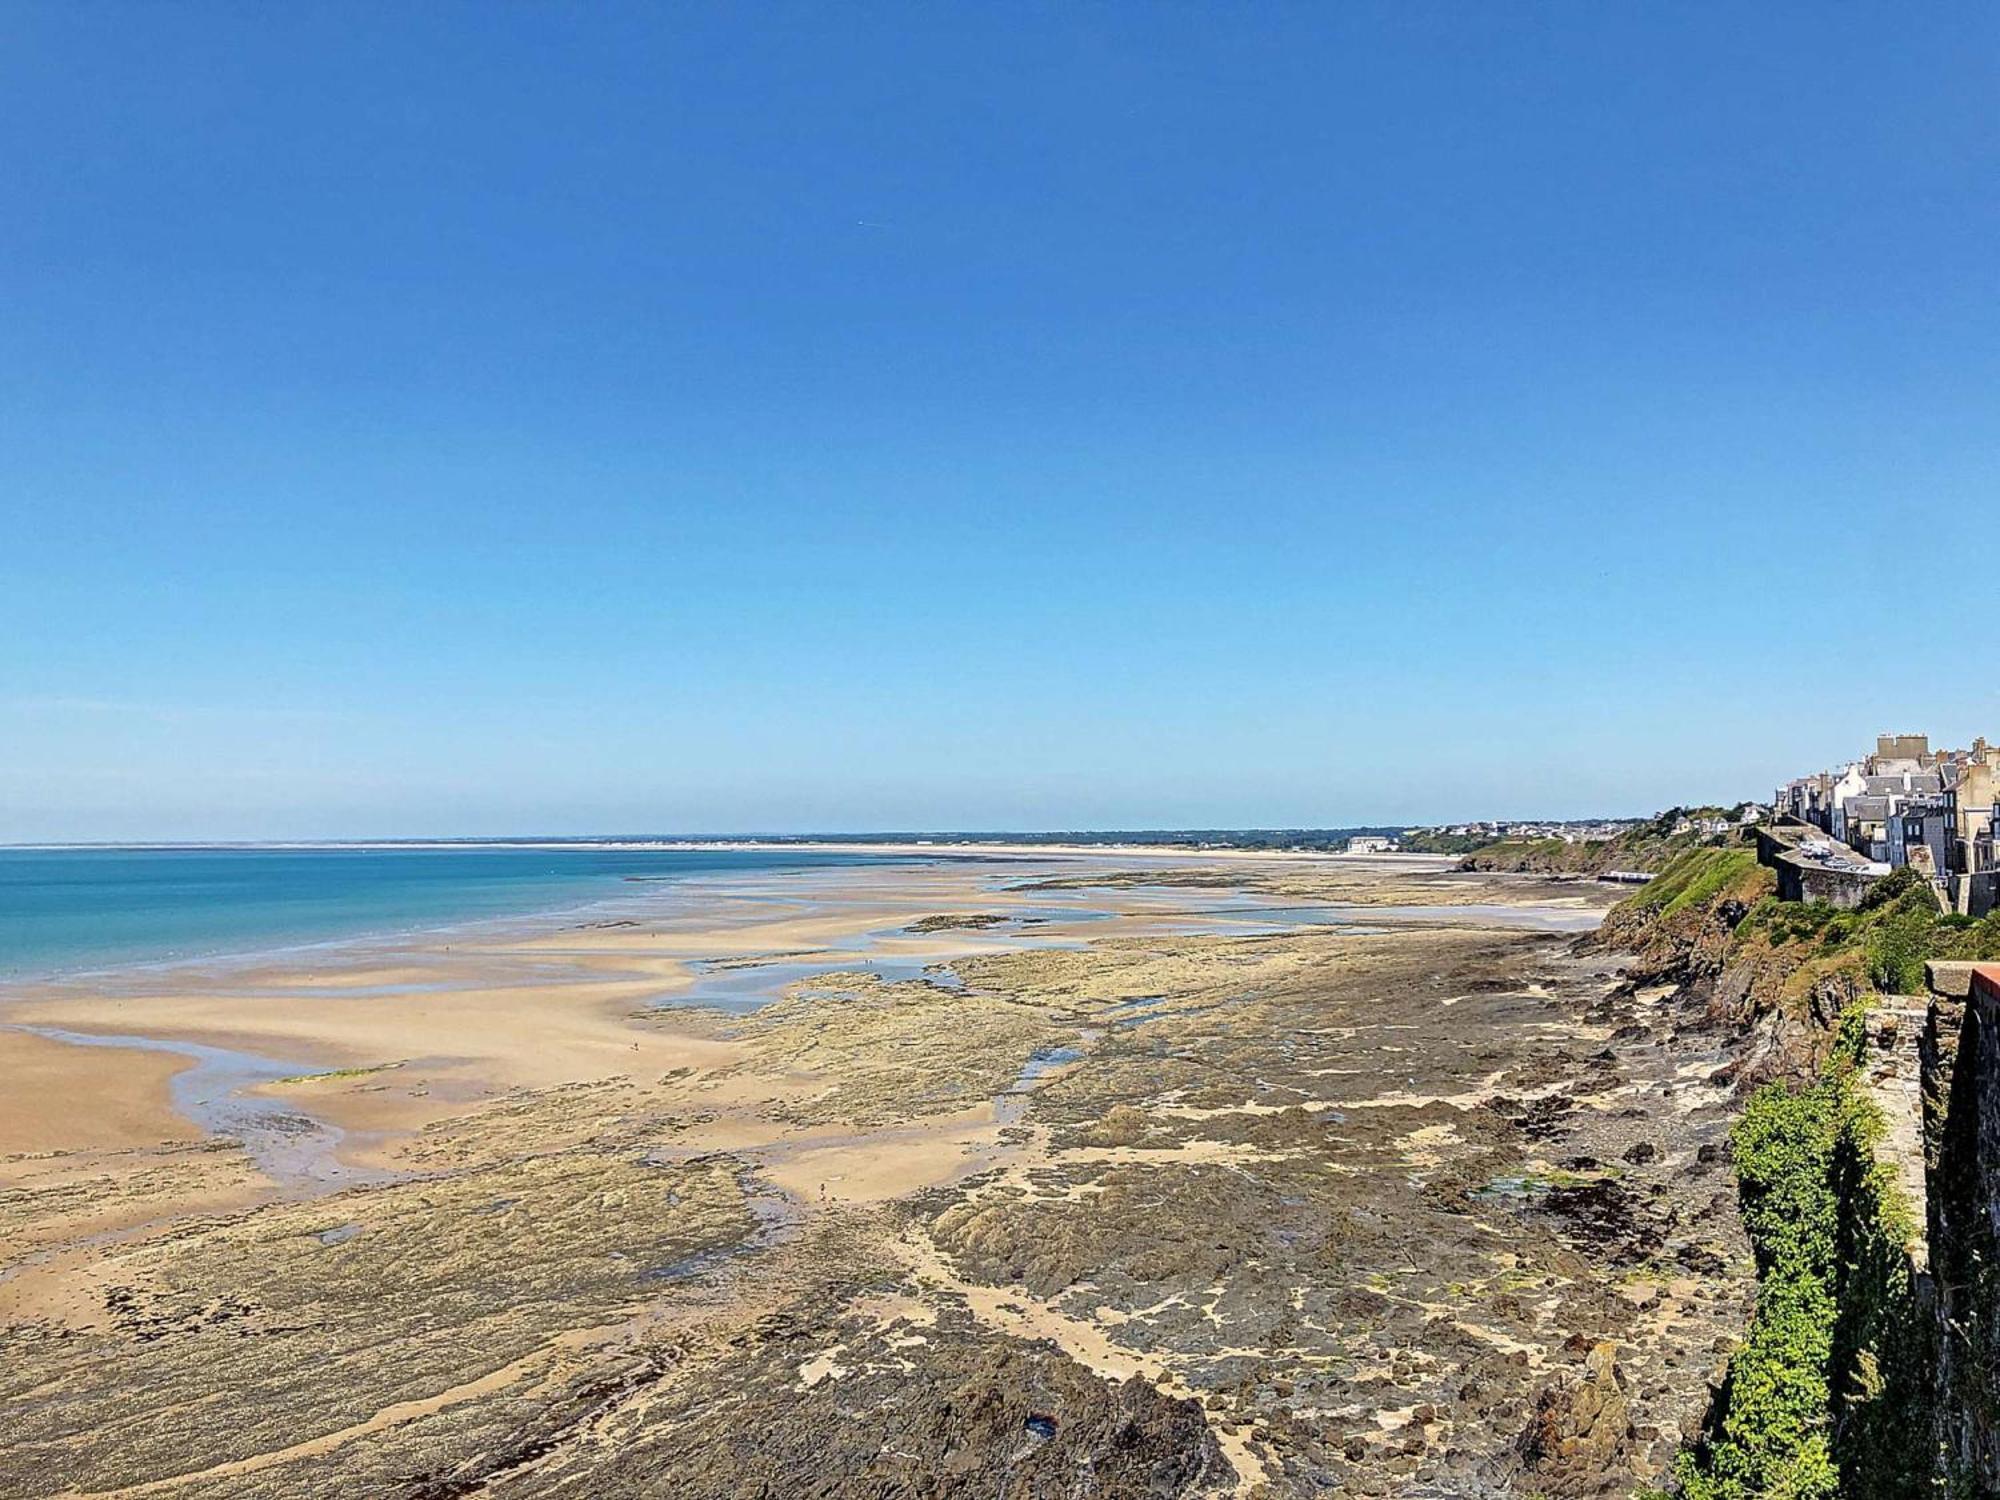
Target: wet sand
x=55, y=1102
x=438, y=1194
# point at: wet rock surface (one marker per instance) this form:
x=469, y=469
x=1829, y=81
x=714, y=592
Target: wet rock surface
x=906, y=1401
x=1432, y=1211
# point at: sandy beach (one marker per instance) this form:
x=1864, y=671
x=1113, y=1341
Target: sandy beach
x=545, y=1004
x=792, y=1164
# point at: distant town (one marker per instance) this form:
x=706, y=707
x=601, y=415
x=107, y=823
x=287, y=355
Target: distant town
x=1830, y=836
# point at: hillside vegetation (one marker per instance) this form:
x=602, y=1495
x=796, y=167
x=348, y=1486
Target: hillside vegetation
x=1834, y=1380
x=1645, y=846
x=1682, y=926
x=1712, y=924
x=1896, y=928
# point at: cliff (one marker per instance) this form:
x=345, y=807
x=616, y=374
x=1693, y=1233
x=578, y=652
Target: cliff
x=1644, y=847
x=1783, y=973
x=1868, y=1167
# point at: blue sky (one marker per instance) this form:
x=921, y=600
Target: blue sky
x=478, y=419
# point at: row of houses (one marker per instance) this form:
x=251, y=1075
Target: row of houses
x=1569, y=833
x=1713, y=825
x=1576, y=832
x=1909, y=806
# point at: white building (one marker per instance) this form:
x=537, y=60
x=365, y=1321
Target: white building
x=1853, y=782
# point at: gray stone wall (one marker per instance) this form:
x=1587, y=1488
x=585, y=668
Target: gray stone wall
x=1963, y=1213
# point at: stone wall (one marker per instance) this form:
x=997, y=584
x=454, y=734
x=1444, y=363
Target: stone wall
x=1902, y=746
x=1976, y=895
x=1800, y=879
x=1919, y=1412
x=1961, y=1090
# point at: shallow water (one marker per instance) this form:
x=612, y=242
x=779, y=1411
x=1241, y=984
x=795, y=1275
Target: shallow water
x=66, y=910
x=301, y=1152
x=1012, y=1106
x=742, y=985
x=294, y=1149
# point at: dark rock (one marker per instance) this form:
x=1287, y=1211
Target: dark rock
x=1580, y=1435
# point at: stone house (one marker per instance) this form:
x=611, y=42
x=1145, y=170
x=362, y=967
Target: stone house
x=1852, y=782
x=1918, y=834
x=1866, y=824
x=1970, y=791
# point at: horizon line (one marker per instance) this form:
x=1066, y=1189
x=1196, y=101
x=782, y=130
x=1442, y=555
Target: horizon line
x=695, y=840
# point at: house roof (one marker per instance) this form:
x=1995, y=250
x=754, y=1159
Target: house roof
x=1901, y=785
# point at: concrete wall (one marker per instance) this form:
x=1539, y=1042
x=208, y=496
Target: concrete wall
x=1801, y=879
x=1982, y=893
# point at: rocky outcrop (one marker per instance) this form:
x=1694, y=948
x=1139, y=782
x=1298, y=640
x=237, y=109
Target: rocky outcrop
x=1700, y=929
x=1579, y=1442
x=930, y=1411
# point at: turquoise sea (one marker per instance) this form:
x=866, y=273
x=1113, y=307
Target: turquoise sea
x=65, y=910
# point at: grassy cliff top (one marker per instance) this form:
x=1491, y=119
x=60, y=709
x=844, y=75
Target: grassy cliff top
x=1649, y=846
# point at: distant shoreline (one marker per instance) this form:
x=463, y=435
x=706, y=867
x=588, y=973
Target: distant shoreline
x=454, y=909
x=899, y=845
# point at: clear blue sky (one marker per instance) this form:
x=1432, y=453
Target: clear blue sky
x=473, y=419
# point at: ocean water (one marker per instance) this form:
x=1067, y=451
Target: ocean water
x=70, y=910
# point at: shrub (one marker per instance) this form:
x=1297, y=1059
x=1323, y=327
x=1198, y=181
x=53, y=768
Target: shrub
x=1834, y=1308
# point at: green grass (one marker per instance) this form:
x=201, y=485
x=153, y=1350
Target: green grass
x=333, y=1073
x=1773, y=1433
x=1895, y=929
x=1695, y=877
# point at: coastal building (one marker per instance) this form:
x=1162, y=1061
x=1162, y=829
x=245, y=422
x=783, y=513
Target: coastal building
x=1810, y=800
x=1906, y=805
x=1369, y=843
x=1982, y=887
x=1862, y=801
x=1917, y=836
x=1971, y=788
x=1900, y=752
x=1865, y=826
x=1850, y=783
